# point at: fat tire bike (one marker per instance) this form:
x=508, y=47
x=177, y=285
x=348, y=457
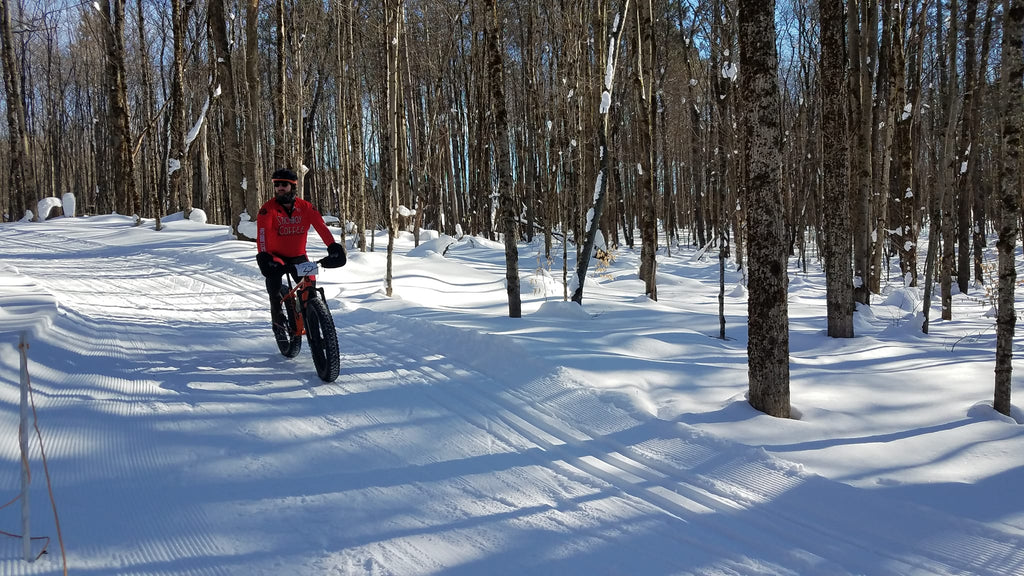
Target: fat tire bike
x=304, y=306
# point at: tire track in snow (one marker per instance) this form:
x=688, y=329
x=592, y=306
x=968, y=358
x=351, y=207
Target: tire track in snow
x=755, y=479
x=506, y=495
x=139, y=283
x=698, y=481
x=555, y=450
x=113, y=307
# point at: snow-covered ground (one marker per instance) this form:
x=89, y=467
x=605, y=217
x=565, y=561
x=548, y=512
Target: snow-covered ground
x=608, y=439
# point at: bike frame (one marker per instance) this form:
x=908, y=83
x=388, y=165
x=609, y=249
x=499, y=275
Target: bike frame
x=302, y=292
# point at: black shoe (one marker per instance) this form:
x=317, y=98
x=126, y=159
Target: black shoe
x=279, y=322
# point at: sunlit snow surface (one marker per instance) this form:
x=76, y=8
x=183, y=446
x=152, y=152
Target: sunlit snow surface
x=608, y=439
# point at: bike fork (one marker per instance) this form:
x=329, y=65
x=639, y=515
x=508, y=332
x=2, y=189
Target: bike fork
x=300, y=320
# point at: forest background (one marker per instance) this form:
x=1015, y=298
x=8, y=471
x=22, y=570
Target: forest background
x=884, y=121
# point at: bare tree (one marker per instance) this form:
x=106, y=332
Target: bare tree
x=393, y=25
x=147, y=149
x=979, y=242
x=903, y=199
x=250, y=159
x=940, y=202
x=122, y=167
x=835, y=160
x=355, y=128
x=280, y=99
x=1009, y=198
x=176, y=148
x=767, y=309
x=882, y=148
x=20, y=179
x=859, y=124
x=228, y=100
x=722, y=68
x=604, y=172
x=507, y=202
x=947, y=166
x=645, y=113
x=968, y=139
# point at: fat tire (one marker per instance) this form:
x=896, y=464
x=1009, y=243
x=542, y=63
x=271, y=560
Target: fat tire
x=291, y=347
x=323, y=340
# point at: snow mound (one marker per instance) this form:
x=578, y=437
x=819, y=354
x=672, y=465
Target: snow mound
x=438, y=245
x=569, y=310
x=50, y=207
x=984, y=411
x=906, y=299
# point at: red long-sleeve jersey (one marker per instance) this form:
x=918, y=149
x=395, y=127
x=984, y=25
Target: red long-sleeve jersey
x=283, y=233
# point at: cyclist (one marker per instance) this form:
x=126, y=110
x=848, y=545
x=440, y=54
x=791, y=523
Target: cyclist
x=282, y=226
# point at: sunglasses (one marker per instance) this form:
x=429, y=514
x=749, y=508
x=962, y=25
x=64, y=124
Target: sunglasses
x=281, y=184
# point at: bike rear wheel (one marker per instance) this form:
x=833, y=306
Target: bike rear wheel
x=323, y=339
x=291, y=343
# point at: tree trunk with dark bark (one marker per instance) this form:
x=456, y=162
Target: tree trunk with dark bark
x=767, y=309
x=835, y=160
x=507, y=205
x=119, y=140
x=1009, y=177
x=646, y=114
x=228, y=101
x=20, y=185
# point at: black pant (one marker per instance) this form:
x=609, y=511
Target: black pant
x=274, y=281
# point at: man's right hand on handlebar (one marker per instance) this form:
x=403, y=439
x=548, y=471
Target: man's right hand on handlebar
x=336, y=256
x=272, y=266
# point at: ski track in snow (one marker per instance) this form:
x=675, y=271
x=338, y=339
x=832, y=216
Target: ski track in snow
x=418, y=460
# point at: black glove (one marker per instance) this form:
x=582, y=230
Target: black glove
x=266, y=262
x=336, y=257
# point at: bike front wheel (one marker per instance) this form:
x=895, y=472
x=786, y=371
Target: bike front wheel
x=323, y=340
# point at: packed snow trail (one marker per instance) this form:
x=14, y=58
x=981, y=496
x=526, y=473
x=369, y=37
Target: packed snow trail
x=180, y=442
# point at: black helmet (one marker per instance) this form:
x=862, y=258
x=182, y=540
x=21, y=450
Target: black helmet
x=285, y=175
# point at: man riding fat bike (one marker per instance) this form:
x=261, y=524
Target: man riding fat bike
x=281, y=229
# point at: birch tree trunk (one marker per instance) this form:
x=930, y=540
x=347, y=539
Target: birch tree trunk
x=604, y=151
x=392, y=18
x=767, y=309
